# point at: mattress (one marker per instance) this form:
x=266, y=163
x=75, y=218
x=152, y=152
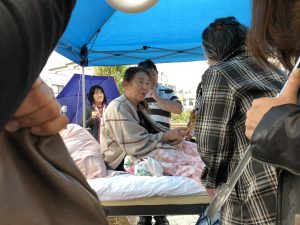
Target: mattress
x=127, y=187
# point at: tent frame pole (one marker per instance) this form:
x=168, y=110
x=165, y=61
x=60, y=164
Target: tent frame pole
x=83, y=62
x=83, y=99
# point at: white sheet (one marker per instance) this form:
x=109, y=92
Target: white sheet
x=125, y=187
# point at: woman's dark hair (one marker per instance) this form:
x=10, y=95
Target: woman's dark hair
x=131, y=71
x=92, y=91
x=222, y=38
x=275, y=30
x=147, y=64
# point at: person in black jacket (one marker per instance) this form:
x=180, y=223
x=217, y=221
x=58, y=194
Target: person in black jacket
x=95, y=110
x=27, y=39
x=269, y=38
x=273, y=124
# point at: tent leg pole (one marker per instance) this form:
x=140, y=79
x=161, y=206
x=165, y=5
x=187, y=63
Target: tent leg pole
x=83, y=99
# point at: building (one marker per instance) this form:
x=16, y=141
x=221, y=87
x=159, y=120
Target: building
x=57, y=77
x=187, y=98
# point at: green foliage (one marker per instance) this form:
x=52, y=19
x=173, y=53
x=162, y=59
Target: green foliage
x=181, y=118
x=116, y=71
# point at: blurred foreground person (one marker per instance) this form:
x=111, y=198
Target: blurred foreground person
x=273, y=124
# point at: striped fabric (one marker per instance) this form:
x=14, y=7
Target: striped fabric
x=228, y=89
x=156, y=112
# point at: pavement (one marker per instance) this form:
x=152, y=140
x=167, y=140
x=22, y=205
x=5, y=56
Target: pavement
x=183, y=220
x=173, y=220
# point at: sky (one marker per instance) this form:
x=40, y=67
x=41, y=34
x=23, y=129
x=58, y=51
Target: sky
x=55, y=60
x=185, y=76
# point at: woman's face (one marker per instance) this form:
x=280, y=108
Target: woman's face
x=98, y=96
x=137, y=89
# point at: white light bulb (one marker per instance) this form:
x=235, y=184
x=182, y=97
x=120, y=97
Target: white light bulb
x=131, y=6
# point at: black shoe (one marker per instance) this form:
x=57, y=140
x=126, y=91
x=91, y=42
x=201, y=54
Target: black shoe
x=145, y=220
x=161, y=220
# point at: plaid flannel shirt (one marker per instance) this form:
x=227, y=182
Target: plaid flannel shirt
x=228, y=88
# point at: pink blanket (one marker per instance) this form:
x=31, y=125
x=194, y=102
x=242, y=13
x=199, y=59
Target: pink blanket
x=182, y=159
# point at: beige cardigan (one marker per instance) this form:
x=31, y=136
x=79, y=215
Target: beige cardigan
x=122, y=135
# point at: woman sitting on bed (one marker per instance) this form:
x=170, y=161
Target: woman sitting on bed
x=127, y=130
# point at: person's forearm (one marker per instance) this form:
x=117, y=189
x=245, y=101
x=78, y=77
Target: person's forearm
x=279, y=127
x=276, y=139
x=90, y=122
x=170, y=106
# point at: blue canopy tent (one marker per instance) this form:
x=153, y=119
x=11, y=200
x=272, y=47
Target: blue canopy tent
x=70, y=96
x=170, y=31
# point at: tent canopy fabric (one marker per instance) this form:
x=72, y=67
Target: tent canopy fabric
x=71, y=95
x=170, y=31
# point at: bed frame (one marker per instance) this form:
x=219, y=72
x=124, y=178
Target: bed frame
x=179, y=205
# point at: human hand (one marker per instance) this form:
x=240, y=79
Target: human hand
x=174, y=134
x=262, y=105
x=211, y=192
x=40, y=111
x=297, y=219
x=152, y=93
x=188, y=136
x=95, y=115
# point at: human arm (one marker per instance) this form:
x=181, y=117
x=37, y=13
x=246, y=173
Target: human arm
x=273, y=125
x=211, y=192
x=29, y=32
x=262, y=105
x=173, y=135
x=40, y=111
x=214, y=134
x=90, y=121
x=171, y=105
x=277, y=137
x=95, y=115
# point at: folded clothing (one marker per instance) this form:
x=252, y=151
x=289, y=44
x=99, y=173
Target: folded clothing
x=143, y=166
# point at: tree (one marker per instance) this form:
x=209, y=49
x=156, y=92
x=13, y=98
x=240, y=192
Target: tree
x=116, y=71
x=182, y=117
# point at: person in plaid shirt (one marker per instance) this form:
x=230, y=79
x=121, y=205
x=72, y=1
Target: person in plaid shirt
x=228, y=87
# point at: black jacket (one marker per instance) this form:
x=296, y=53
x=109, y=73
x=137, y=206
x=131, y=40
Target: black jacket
x=276, y=141
x=91, y=123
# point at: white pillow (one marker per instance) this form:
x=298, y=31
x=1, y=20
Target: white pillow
x=85, y=151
